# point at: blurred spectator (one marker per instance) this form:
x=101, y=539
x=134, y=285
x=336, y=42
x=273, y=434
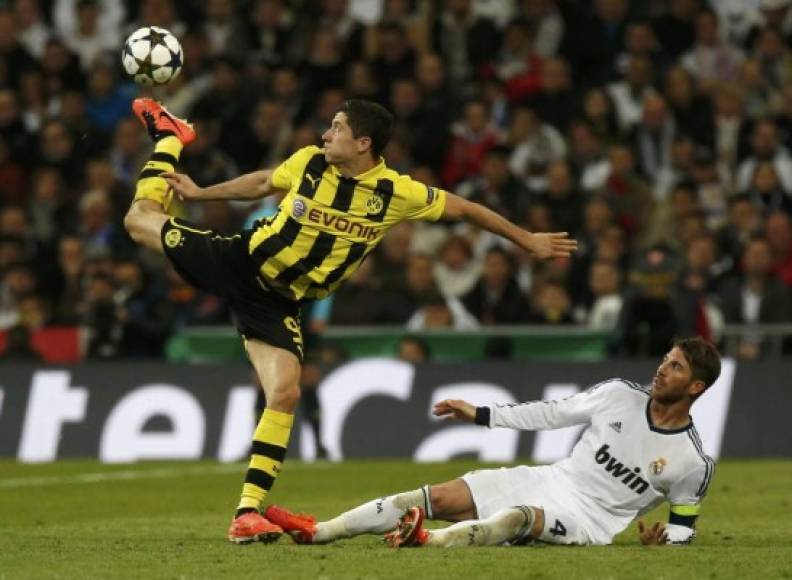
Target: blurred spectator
x=711, y=193
x=766, y=190
x=712, y=59
x=270, y=31
x=679, y=169
x=192, y=306
x=88, y=37
x=413, y=350
x=496, y=298
x=628, y=94
x=778, y=230
x=555, y=102
x=437, y=312
x=626, y=191
x=675, y=28
x=108, y=100
x=69, y=281
x=652, y=137
x=32, y=27
x=548, y=24
x=595, y=38
x=394, y=57
x=18, y=280
x=496, y=186
x=456, y=269
x=228, y=102
x=550, y=304
x=358, y=301
x=598, y=115
x=766, y=146
x=536, y=144
x=648, y=323
x=605, y=285
x=516, y=65
x=563, y=198
x=100, y=317
x=15, y=60
x=588, y=155
x=465, y=41
x=143, y=311
x=744, y=223
x=440, y=107
x=690, y=110
x=754, y=297
x=471, y=138
x=761, y=98
x=224, y=29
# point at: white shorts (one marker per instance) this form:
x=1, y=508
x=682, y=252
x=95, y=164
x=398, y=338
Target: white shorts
x=569, y=518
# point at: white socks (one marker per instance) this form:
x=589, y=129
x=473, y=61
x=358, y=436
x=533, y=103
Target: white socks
x=374, y=517
x=504, y=525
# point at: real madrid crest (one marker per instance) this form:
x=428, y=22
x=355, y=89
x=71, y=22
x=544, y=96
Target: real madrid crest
x=173, y=238
x=656, y=467
x=374, y=204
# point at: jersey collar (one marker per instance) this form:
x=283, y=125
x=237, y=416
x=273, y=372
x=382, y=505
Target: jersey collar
x=653, y=427
x=371, y=173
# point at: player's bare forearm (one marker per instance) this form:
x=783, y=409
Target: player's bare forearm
x=249, y=186
x=541, y=245
x=455, y=409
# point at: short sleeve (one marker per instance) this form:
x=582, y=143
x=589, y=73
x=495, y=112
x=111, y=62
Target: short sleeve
x=292, y=168
x=423, y=202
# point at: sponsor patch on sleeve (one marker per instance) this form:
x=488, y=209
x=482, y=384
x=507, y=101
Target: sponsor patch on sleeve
x=431, y=195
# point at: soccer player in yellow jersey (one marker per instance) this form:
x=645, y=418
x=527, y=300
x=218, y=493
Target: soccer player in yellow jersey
x=339, y=202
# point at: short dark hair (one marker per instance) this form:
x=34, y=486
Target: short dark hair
x=368, y=119
x=703, y=358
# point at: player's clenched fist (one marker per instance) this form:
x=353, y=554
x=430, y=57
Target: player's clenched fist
x=455, y=409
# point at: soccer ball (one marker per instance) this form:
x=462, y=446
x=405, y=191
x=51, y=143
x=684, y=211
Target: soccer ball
x=152, y=56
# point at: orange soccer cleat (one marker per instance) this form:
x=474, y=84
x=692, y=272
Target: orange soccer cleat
x=301, y=527
x=409, y=532
x=253, y=527
x=160, y=123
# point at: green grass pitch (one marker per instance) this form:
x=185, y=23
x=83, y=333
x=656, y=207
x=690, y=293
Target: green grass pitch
x=168, y=520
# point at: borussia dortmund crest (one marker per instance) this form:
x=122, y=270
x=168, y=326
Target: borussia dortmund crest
x=374, y=204
x=173, y=238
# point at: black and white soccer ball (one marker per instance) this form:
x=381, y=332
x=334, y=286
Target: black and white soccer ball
x=152, y=56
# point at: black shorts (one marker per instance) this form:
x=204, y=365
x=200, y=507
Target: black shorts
x=222, y=266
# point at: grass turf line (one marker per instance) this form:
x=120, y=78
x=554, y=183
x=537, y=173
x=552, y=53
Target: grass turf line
x=57, y=523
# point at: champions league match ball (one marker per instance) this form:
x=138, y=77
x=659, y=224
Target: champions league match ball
x=152, y=56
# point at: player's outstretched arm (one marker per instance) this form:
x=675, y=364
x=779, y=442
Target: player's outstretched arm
x=542, y=245
x=253, y=185
x=455, y=409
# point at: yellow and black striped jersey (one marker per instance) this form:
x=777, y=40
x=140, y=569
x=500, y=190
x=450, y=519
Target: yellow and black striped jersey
x=327, y=223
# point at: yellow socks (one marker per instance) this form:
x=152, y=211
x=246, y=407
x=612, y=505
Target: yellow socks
x=164, y=159
x=269, y=449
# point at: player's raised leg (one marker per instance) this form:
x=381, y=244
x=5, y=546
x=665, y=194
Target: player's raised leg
x=279, y=373
x=148, y=212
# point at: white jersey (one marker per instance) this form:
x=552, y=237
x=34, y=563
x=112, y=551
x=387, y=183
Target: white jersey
x=622, y=464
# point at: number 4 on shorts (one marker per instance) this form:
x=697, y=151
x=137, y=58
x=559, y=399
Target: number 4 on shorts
x=558, y=529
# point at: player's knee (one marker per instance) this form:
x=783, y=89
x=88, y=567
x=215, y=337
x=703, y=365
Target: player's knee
x=137, y=221
x=284, y=398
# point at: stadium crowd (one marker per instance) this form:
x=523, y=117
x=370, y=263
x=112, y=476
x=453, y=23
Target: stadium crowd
x=658, y=133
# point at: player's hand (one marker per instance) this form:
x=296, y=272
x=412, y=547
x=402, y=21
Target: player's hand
x=183, y=185
x=455, y=409
x=652, y=536
x=547, y=246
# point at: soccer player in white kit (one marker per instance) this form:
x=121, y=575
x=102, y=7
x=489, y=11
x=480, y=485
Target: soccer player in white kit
x=640, y=448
